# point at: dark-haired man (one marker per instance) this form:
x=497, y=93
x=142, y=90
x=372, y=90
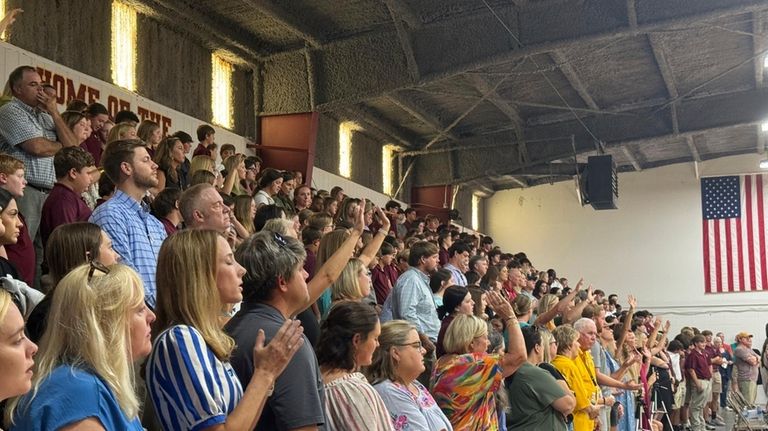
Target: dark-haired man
x=207, y=136
x=136, y=234
x=458, y=262
x=98, y=115
x=411, y=298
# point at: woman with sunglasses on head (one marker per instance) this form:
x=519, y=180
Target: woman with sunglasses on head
x=69, y=246
x=84, y=373
x=397, y=363
x=189, y=378
x=348, y=338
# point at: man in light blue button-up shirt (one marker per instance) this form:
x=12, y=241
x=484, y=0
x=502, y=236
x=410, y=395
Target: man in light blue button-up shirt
x=411, y=298
x=136, y=234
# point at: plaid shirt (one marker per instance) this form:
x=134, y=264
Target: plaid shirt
x=20, y=122
x=136, y=236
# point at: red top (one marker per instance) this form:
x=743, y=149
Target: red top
x=201, y=150
x=62, y=206
x=95, y=146
x=22, y=254
x=699, y=362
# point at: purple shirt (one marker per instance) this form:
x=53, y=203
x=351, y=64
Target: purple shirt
x=62, y=206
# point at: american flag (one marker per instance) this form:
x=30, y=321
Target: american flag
x=733, y=210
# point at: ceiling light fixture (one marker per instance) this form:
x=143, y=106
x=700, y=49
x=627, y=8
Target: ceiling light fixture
x=765, y=62
x=764, y=126
x=763, y=164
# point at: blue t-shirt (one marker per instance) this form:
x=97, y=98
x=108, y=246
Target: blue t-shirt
x=69, y=395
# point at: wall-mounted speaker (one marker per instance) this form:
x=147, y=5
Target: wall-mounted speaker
x=600, y=183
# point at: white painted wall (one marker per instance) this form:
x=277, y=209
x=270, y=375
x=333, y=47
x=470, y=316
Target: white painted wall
x=651, y=246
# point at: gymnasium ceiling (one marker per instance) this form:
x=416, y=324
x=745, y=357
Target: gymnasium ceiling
x=498, y=94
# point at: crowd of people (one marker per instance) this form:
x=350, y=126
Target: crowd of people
x=142, y=288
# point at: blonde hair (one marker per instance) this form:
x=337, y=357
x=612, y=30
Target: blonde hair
x=546, y=303
x=280, y=225
x=118, y=132
x=230, y=164
x=202, y=163
x=347, y=286
x=546, y=340
x=186, y=288
x=89, y=327
x=394, y=334
x=329, y=243
x=243, y=212
x=565, y=335
x=5, y=303
x=462, y=331
x=146, y=129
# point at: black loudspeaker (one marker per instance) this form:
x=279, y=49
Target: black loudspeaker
x=454, y=214
x=602, y=183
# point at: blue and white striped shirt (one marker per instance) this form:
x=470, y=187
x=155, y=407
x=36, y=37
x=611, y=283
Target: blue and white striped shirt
x=189, y=387
x=136, y=236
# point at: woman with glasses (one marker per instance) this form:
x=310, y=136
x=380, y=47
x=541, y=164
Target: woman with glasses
x=189, y=378
x=397, y=364
x=465, y=380
x=69, y=246
x=348, y=338
x=84, y=376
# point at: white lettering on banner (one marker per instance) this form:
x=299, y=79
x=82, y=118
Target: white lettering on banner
x=71, y=84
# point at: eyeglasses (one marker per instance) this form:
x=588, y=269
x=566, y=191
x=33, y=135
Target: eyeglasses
x=416, y=345
x=96, y=266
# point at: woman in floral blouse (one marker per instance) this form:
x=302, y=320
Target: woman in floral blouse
x=397, y=363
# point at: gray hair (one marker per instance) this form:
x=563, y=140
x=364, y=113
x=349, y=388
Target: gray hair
x=583, y=324
x=189, y=201
x=267, y=256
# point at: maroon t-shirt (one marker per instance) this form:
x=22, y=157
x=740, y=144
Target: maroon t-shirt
x=62, y=206
x=201, y=150
x=699, y=362
x=95, y=146
x=22, y=254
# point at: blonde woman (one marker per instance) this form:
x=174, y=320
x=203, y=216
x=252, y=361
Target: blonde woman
x=189, y=378
x=568, y=348
x=353, y=284
x=397, y=363
x=235, y=166
x=16, y=350
x=121, y=132
x=465, y=380
x=151, y=133
x=84, y=375
x=202, y=163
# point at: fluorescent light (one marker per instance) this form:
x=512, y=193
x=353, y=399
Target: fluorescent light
x=763, y=164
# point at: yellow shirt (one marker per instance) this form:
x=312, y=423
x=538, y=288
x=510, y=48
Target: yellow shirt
x=573, y=374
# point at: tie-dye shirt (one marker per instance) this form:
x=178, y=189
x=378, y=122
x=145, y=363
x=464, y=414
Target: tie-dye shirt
x=464, y=387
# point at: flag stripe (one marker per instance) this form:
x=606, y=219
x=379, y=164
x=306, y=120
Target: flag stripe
x=734, y=237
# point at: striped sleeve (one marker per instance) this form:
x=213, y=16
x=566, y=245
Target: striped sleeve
x=189, y=387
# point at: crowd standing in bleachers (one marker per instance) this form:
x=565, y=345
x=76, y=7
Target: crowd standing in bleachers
x=247, y=299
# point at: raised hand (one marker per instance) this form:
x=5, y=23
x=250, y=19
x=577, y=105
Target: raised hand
x=632, y=301
x=275, y=356
x=383, y=219
x=360, y=216
x=500, y=305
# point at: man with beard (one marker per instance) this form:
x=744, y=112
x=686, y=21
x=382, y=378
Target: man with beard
x=136, y=235
x=411, y=298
